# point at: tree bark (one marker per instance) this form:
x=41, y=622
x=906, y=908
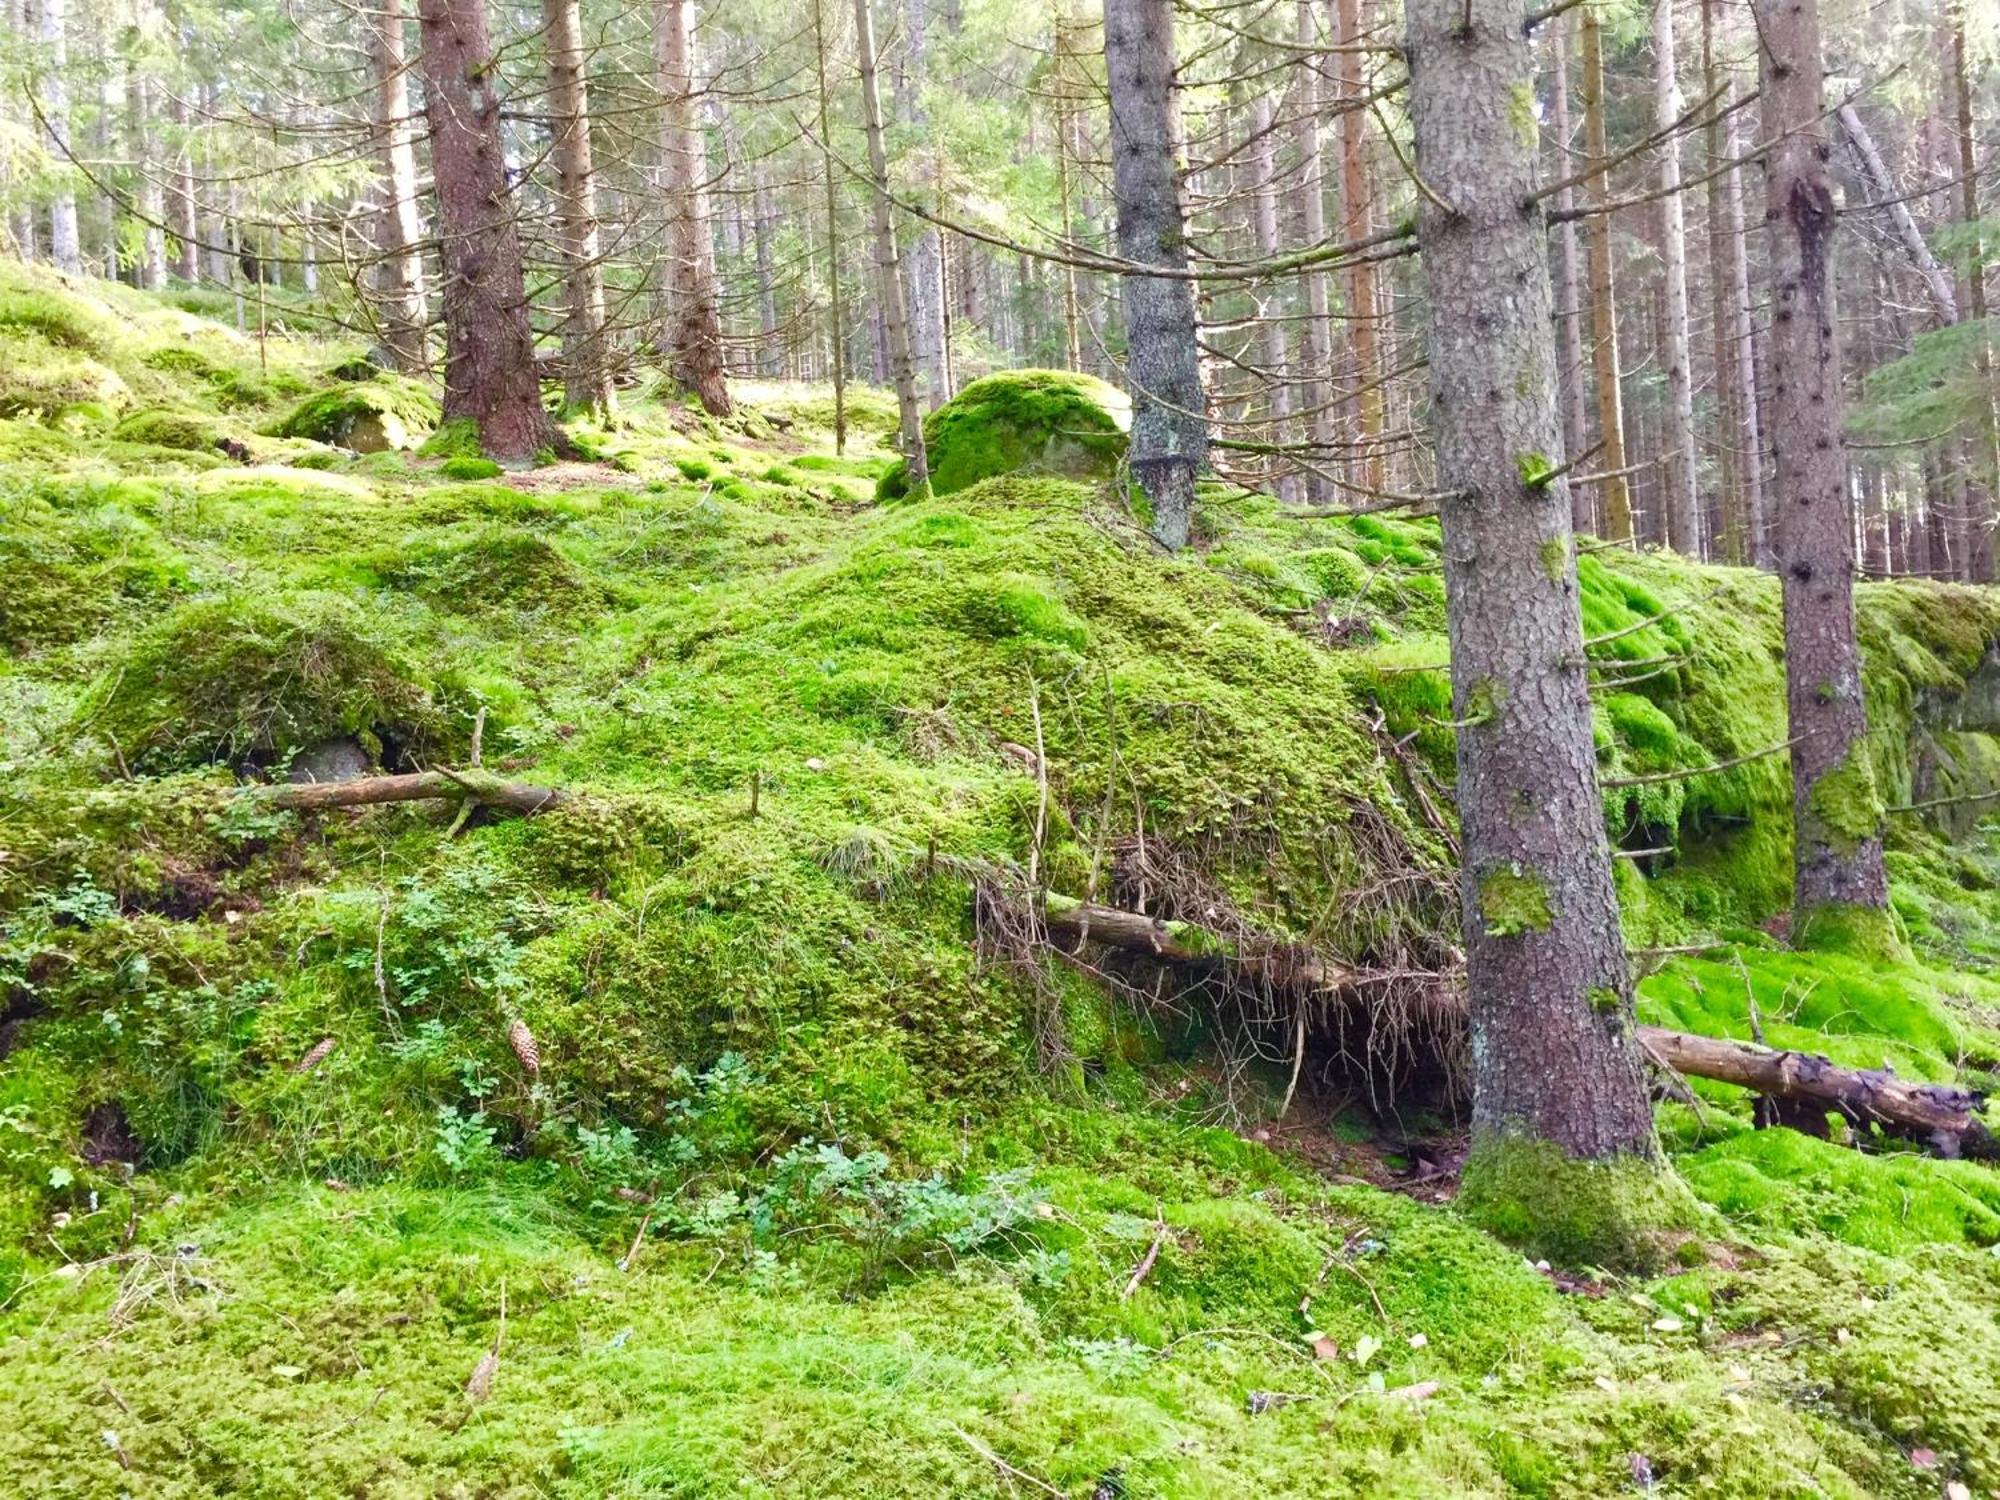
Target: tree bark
x=1316, y=338
x=1732, y=535
x=150, y=195
x=400, y=276
x=489, y=376
x=1569, y=305
x=1554, y=1058
x=1616, y=491
x=1936, y=279
x=763, y=225
x=65, y=244
x=419, y=786
x=1169, y=446
x=1985, y=443
x=694, y=303
x=1277, y=353
x=1746, y=394
x=1356, y=221
x=1683, y=511
x=924, y=266
x=836, y=313
x=895, y=315
x=586, y=362
x=1837, y=815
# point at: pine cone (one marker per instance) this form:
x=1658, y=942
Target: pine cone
x=522, y=1041
x=315, y=1057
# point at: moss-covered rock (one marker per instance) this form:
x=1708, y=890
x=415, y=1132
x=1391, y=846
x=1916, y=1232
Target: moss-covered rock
x=367, y=416
x=168, y=429
x=243, y=679
x=1047, y=421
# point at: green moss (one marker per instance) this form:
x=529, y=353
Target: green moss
x=167, y=429
x=229, y=679
x=1048, y=421
x=1534, y=469
x=1860, y=931
x=463, y=468
x=1621, y=1212
x=370, y=416
x=1555, y=559
x=1514, y=901
x=458, y=438
x=1844, y=804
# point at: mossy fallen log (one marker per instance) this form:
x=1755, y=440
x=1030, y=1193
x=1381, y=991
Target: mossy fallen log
x=481, y=787
x=1943, y=1117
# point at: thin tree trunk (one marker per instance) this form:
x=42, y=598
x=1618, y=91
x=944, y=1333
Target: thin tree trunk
x=1065, y=158
x=150, y=194
x=1277, y=357
x=586, y=362
x=1356, y=221
x=1617, y=494
x=1985, y=443
x=1169, y=446
x=1936, y=279
x=763, y=225
x=924, y=267
x=694, y=304
x=1683, y=512
x=1746, y=393
x=1569, y=306
x=401, y=232
x=489, y=376
x=893, y=311
x=1837, y=814
x=1316, y=353
x=1554, y=1058
x=187, y=232
x=65, y=245
x=1732, y=534
x=836, y=313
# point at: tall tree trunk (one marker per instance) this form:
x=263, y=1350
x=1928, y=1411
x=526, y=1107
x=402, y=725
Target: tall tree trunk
x=1169, y=446
x=1063, y=84
x=489, y=373
x=894, y=312
x=150, y=192
x=1569, y=306
x=694, y=302
x=1557, y=1070
x=1745, y=392
x=21, y=218
x=187, y=232
x=400, y=232
x=586, y=361
x=65, y=244
x=1936, y=279
x=1683, y=511
x=836, y=313
x=1356, y=221
x=1617, y=494
x=924, y=268
x=1316, y=353
x=1837, y=814
x=1276, y=356
x=1985, y=442
x=1732, y=532
x=763, y=225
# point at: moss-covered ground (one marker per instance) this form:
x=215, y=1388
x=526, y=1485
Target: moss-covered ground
x=795, y=1191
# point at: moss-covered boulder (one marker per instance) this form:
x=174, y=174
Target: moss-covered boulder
x=1050, y=421
x=167, y=429
x=367, y=416
x=248, y=680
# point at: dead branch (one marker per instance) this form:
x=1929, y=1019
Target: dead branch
x=481, y=787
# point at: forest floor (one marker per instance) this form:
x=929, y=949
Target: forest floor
x=683, y=1141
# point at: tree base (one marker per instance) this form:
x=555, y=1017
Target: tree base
x=1870, y=932
x=1622, y=1213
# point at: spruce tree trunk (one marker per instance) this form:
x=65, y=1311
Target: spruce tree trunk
x=1276, y=353
x=187, y=232
x=1746, y=394
x=1569, y=305
x=836, y=311
x=1683, y=511
x=893, y=347
x=925, y=265
x=400, y=276
x=1554, y=1057
x=1616, y=492
x=489, y=373
x=694, y=303
x=763, y=226
x=65, y=243
x=1356, y=221
x=1984, y=445
x=586, y=360
x=1838, y=819
x=1732, y=534
x=151, y=197
x=1169, y=446
x=1316, y=353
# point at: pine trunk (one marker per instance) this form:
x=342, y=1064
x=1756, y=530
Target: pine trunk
x=893, y=312
x=1356, y=221
x=1984, y=445
x=694, y=303
x=1276, y=352
x=489, y=375
x=1553, y=1053
x=1616, y=492
x=1682, y=509
x=1316, y=353
x=1837, y=814
x=1169, y=446
x=65, y=243
x=586, y=361
x=1569, y=305
x=400, y=283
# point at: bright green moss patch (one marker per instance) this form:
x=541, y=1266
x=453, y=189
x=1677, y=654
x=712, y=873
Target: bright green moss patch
x=167, y=429
x=369, y=416
x=1618, y=1212
x=1048, y=421
x=463, y=468
x=1514, y=901
x=230, y=679
x=1844, y=805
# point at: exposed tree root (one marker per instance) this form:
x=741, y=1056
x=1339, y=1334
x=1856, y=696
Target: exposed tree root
x=475, y=786
x=1807, y=1087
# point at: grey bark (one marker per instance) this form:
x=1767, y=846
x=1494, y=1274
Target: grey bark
x=894, y=312
x=1169, y=446
x=925, y=267
x=694, y=304
x=1837, y=842
x=187, y=234
x=1277, y=354
x=400, y=274
x=1569, y=302
x=1683, y=512
x=65, y=245
x=586, y=362
x=1743, y=347
x=1554, y=1057
x=1316, y=353
x=1936, y=279
x=150, y=194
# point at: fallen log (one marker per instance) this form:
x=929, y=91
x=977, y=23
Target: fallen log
x=480, y=787
x=1941, y=1116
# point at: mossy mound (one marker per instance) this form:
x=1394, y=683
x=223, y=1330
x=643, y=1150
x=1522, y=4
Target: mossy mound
x=497, y=568
x=367, y=416
x=241, y=679
x=1045, y=421
x=168, y=429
